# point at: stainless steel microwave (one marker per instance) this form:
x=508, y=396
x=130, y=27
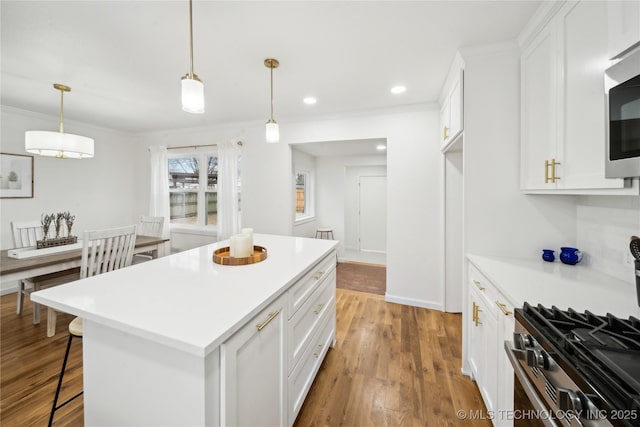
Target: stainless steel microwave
x=622, y=86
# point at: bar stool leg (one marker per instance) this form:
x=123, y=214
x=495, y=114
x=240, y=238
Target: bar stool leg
x=20, y=303
x=54, y=408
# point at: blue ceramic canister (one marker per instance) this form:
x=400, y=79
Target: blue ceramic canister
x=548, y=255
x=570, y=255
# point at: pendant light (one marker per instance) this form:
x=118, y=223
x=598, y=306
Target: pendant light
x=272, y=133
x=192, y=87
x=58, y=144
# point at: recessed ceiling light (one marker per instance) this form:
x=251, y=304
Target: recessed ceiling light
x=398, y=89
x=381, y=147
x=309, y=100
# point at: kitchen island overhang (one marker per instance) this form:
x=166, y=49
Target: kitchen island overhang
x=158, y=327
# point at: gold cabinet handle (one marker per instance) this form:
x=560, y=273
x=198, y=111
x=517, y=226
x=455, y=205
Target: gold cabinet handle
x=546, y=171
x=318, y=275
x=317, y=310
x=475, y=313
x=503, y=308
x=554, y=178
x=445, y=132
x=478, y=322
x=479, y=285
x=318, y=351
x=272, y=316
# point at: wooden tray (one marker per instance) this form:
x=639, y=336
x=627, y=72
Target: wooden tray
x=222, y=256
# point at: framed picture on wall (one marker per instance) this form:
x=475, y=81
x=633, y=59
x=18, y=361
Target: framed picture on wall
x=16, y=176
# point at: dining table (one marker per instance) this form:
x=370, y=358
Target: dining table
x=23, y=268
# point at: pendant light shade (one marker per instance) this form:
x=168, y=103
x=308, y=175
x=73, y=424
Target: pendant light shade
x=272, y=133
x=58, y=144
x=192, y=86
x=192, y=94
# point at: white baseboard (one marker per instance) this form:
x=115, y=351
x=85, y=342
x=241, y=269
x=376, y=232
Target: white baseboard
x=8, y=287
x=413, y=302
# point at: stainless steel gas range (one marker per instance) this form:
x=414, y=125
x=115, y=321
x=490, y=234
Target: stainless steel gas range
x=576, y=369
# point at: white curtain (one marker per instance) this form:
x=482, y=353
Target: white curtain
x=159, y=186
x=228, y=225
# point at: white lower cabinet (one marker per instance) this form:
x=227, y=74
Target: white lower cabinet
x=268, y=366
x=490, y=322
x=252, y=376
x=303, y=374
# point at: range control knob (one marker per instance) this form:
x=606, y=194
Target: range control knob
x=536, y=358
x=589, y=410
x=569, y=401
x=522, y=341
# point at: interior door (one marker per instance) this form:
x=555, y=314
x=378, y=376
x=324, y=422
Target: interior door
x=372, y=218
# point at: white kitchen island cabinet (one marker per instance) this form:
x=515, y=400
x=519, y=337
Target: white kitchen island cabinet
x=184, y=341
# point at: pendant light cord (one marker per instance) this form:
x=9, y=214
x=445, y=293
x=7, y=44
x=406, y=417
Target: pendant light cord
x=61, y=111
x=271, y=93
x=191, y=35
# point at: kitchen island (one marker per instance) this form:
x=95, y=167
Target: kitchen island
x=183, y=341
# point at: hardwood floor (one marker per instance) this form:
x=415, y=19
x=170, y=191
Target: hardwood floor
x=29, y=368
x=392, y=365
x=361, y=277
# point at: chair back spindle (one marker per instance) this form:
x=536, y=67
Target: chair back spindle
x=107, y=250
x=26, y=233
x=150, y=225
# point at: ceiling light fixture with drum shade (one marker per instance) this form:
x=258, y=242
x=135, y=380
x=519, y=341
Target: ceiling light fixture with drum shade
x=272, y=133
x=192, y=86
x=58, y=144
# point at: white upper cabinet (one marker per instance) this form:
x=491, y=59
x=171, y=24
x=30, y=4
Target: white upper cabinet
x=563, y=105
x=451, y=106
x=624, y=26
x=539, y=110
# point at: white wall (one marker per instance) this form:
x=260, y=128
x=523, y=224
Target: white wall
x=604, y=226
x=454, y=226
x=414, y=257
x=101, y=192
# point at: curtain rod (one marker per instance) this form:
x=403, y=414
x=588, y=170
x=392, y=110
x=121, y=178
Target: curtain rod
x=197, y=146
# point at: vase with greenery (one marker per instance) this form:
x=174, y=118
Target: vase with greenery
x=46, y=220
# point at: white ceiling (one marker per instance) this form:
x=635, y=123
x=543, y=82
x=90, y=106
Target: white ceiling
x=124, y=59
x=354, y=147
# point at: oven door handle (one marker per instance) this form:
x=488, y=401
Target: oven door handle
x=528, y=388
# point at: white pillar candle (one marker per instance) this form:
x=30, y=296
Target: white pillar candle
x=233, y=246
x=249, y=231
x=244, y=246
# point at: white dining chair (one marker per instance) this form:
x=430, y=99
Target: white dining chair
x=149, y=226
x=102, y=251
x=26, y=234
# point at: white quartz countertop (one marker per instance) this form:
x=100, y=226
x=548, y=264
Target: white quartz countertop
x=186, y=300
x=555, y=284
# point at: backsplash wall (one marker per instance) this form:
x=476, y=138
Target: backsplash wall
x=604, y=226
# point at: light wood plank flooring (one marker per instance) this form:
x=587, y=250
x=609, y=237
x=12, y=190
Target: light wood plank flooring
x=392, y=365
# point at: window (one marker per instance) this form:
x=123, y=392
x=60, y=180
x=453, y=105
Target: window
x=304, y=198
x=193, y=188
